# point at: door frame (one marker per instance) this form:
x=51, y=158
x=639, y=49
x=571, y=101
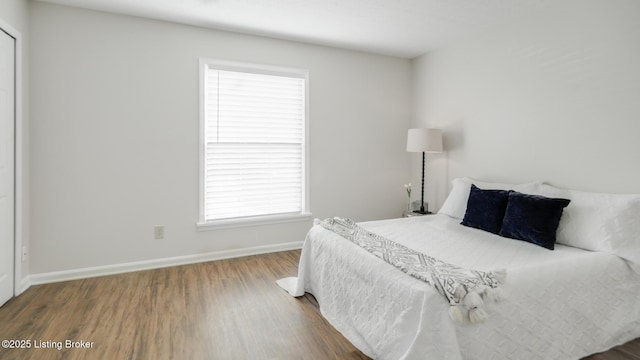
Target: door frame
x=19, y=285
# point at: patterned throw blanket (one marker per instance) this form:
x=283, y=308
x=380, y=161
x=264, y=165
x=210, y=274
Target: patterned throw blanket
x=465, y=289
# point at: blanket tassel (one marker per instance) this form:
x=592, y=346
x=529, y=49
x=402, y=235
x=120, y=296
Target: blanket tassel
x=477, y=315
x=471, y=305
x=457, y=314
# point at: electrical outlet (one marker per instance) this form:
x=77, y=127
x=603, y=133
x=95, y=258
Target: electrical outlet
x=158, y=232
x=25, y=253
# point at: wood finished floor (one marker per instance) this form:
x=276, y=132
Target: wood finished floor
x=228, y=309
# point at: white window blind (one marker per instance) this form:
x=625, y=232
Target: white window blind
x=254, y=125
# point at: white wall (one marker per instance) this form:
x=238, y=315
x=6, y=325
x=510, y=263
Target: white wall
x=115, y=136
x=554, y=96
x=16, y=14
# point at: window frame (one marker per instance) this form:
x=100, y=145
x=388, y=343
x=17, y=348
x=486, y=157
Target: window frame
x=305, y=213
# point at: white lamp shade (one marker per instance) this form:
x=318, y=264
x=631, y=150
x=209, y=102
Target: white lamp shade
x=424, y=140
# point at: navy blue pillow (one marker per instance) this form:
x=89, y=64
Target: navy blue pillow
x=485, y=209
x=533, y=218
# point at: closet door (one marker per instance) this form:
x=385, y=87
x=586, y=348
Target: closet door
x=7, y=121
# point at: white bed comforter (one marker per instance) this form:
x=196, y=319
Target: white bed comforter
x=561, y=304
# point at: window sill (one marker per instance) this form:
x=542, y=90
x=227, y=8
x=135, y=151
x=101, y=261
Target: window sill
x=252, y=221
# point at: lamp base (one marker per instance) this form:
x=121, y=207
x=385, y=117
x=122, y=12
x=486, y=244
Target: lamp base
x=422, y=212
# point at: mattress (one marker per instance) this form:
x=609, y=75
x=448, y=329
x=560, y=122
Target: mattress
x=561, y=304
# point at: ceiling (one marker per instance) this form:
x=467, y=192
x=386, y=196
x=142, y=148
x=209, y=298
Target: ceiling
x=404, y=28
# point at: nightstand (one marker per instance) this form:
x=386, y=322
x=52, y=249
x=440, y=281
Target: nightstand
x=408, y=213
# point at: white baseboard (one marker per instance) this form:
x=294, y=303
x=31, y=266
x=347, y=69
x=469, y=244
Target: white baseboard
x=84, y=273
x=24, y=285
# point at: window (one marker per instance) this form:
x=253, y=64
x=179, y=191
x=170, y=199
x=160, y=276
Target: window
x=253, y=144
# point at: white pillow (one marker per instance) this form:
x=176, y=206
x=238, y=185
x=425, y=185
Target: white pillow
x=456, y=203
x=599, y=222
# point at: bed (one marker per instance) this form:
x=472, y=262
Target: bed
x=561, y=304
